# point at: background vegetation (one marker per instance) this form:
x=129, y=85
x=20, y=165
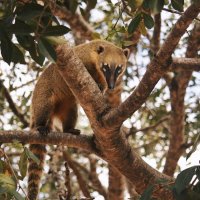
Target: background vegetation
x=165, y=128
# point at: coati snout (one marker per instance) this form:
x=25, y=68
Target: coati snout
x=111, y=73
x=116, y=65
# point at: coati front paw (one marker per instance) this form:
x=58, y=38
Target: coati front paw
x=74, y=131
x=43, y=130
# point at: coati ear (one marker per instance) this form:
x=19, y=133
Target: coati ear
x=100, y=49
x=126, y=52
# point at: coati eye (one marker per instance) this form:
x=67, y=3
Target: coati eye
x=105, y=67
x=119, y=69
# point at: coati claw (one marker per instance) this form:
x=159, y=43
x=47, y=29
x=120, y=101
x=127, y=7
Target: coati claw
x=43, y=130
x=74, y=131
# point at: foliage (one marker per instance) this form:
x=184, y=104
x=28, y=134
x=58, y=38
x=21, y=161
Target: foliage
x=31, y=24
x=186, y=185
x=27, y=35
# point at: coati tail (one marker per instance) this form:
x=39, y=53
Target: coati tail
x=35, y=170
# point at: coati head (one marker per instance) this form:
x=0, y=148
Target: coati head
x=111, y=62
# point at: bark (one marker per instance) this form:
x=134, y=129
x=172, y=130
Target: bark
x=177, y=92
x=185, y=64
x=111, y=143
x=116, y=184
x=27, y=137
x=155, y=41
x=93, y=177
x=80, y=28
x=81, y=181
x=156, y=69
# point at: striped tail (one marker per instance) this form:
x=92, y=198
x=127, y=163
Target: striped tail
x=35, y=170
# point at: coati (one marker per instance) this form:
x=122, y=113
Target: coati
x=52, y=98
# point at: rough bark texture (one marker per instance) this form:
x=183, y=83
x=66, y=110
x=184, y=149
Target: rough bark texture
x=155, y=41
x=156, y=69
x=82, y=141
x=109, y=141
x=81, y=29
x=81, y=181
x=93, y=177
x=177, y=92
x=116, y=185
x=185, y=64
x=111, y=144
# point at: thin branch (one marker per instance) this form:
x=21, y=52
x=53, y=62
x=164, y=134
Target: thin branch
x=182, y=64
x=13, y=106
x=148, y=128
x=82, y=182
x=176, y=12
x=80, y=27
x=14, y=174
x=156, y=69
x=27, y=137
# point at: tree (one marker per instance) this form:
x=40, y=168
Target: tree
x=28, y=32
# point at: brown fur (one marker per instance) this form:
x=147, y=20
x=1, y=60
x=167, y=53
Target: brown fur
x=52, y=98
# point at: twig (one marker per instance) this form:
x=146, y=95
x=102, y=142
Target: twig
x=14, y=174
x=176, y=12
x=148, y=128
x=82, y=183
x=13, y=107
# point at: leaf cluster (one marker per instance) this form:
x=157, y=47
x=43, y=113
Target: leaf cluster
x=32, y=25
x=143, y=9
x=9, y=178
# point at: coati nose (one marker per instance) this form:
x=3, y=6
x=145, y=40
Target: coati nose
x=111, y=85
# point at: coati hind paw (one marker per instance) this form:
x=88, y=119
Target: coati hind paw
x=43, y=130
x=73, y=131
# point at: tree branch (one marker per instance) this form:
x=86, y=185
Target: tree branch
x=13, y=107
x=109, y=141
x=82, y=141
x=80, y=27
x=147, y=128
x=177, y=89
x=156, y=69
x=82, y=182
x=182, y=64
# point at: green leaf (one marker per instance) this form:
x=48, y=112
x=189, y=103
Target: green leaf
x=135, y=3
x=17, y=195
x=30, y=11
x=134, y=24
x=184, y=178
x=47, y=50
x=148, y=21
x=92, y=3
x=6, y=49
x=26, y=41
x=7, y=182
x=55, y=40
x=17, y=55
x=31, y=155
x=156, y=5
x=56, y=30
x=146, y=195
x=20, y=28
x=23, y=162
x=36, y=54
x=178, y=4
x=2, y=166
